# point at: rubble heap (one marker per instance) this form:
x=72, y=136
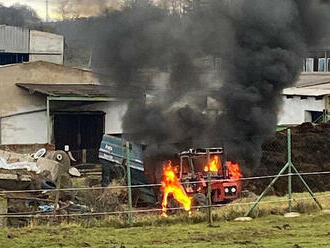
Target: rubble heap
x=310, y=153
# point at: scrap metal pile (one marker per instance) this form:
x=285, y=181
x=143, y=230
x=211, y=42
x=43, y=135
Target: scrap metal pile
x=28, y=182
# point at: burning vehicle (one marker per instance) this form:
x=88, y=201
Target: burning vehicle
x=187, y=183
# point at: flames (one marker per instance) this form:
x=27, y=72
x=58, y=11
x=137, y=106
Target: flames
x=171, y=185
x=234, y=170
x=214, y=164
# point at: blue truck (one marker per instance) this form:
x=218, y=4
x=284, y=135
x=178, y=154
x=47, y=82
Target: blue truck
x=113, y=155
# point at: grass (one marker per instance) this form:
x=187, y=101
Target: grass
x=309, y=230
x=271, y=229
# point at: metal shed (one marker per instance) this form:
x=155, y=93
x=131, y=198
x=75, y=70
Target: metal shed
x=14, y=39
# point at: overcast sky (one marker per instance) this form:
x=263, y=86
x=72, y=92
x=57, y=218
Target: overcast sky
x=86, y=7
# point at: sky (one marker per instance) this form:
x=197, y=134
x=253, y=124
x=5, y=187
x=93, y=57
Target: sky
x=87, y=6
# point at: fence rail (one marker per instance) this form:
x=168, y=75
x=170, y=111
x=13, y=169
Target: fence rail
x=276, y=148
x=320, y=195
x=151, y=210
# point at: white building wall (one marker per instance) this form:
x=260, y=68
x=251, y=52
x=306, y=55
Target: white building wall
x=294, y=109
x=31, y=128
x=24, y=129
x=115, y=112
x=46, y=47
x=52, y=58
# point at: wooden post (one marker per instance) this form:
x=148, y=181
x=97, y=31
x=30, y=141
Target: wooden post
x=84, y=156
x=57, y=197
x=3, y=210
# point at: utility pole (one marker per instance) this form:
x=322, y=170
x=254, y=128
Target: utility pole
x=47, y=13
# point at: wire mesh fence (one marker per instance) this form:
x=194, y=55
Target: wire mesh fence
x=79, y=202
x=100, y=202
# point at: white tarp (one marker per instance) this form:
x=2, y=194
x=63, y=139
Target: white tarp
x=30, y=166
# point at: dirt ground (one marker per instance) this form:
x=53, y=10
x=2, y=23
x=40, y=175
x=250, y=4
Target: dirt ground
x=310, y=153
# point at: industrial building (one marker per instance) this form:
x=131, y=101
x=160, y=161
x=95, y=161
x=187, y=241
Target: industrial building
x=308, y=101
x=46, y=103
x=318, y=57
x=18, y=45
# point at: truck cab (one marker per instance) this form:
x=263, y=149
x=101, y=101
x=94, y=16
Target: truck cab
x=196, y=164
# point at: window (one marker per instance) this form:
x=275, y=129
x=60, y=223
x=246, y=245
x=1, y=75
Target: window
x=309, y=65
x=289, y=97
x=318, y=98
x=303, y=97
x=321, y=64
x=313, y=116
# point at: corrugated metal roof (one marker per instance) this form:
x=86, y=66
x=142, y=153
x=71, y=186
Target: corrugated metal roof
x=82, y=90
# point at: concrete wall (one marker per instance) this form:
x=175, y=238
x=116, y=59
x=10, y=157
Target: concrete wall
x=24, y=129
x=113, y=118
x=294, y=109
x=46, y=47
x=32, y=128
x=16, y=100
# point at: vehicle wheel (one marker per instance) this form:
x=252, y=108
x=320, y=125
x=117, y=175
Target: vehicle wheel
x=200, y=200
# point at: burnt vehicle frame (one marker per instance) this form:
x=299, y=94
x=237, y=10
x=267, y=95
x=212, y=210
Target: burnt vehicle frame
x=194, y=178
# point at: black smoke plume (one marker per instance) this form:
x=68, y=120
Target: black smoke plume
x=267, y=56
x=142, y=37
x=261, y=44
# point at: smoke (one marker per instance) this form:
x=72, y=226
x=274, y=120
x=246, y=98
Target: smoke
x=18, y=15
x=151, y=38
x=266, y=58
x=260, y=44
x=270, y=42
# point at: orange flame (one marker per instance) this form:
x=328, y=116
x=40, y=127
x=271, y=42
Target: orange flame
x=214, y=164
x=171, y=185
x=234, y=170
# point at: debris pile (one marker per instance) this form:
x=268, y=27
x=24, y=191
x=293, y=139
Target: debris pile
x=310, y=153
x=44, y=171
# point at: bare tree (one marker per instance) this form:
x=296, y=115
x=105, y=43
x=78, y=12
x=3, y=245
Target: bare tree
x=62, y=9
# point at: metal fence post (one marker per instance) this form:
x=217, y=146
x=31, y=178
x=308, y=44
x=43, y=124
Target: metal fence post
x=209, y=190
x=129, y=184
x=289, y=165
x=307, y=187
x=289, y=171
x=265, y=191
